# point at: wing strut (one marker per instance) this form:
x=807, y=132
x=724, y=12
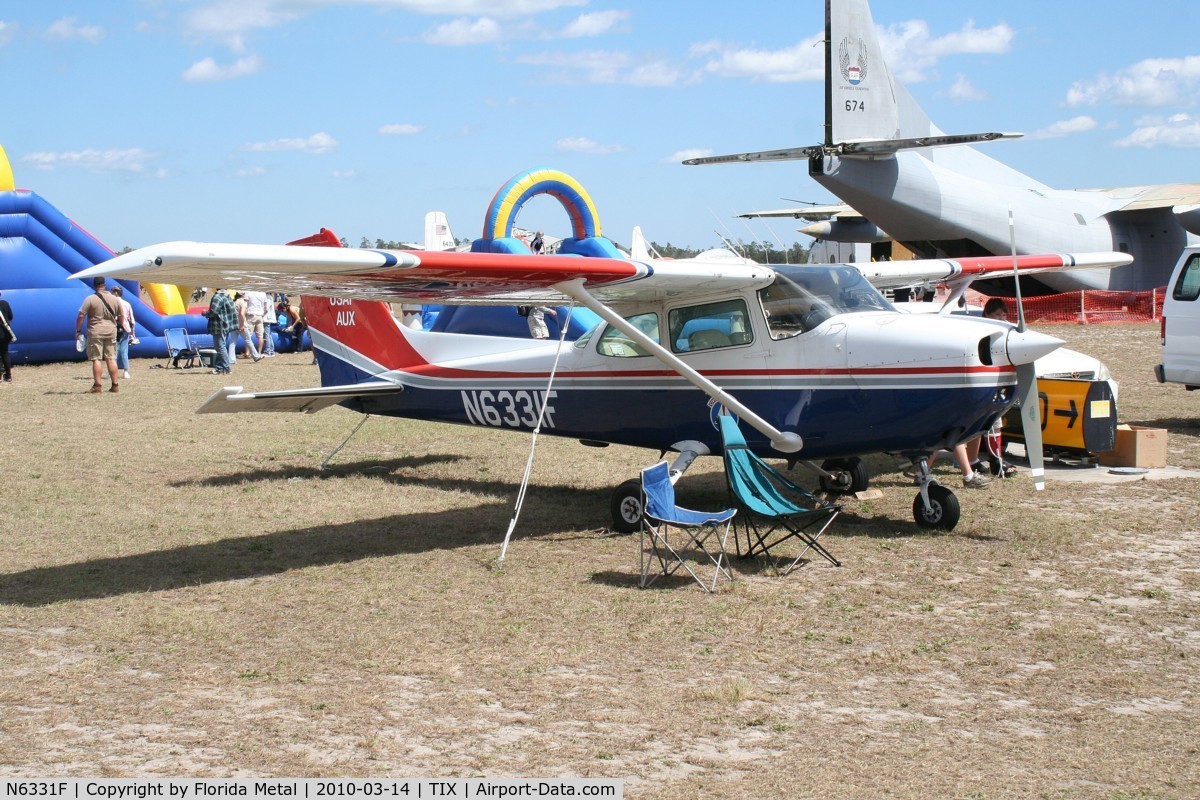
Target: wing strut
x=780, y=440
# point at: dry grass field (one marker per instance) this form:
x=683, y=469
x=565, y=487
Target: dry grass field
x=186, y=595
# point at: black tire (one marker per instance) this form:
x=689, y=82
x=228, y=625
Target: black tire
x=627, y=506
x=852, y=475
x=943, y=512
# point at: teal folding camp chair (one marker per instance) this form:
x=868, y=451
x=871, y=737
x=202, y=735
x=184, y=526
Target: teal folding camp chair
x=775, y=510
x=701, y=537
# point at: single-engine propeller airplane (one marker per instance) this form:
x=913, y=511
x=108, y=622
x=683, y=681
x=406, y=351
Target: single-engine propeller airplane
x=812, y=359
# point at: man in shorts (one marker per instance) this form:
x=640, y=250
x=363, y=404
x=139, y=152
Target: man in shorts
x=101, y=310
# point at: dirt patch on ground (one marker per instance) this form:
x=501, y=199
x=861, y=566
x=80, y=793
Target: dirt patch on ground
x=202, y=600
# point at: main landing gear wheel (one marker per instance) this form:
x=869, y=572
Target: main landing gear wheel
x=943, y=511
x=627, y=506
x=849, y=475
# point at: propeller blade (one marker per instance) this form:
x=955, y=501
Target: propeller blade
x=1031, y=422
x=1012, y=241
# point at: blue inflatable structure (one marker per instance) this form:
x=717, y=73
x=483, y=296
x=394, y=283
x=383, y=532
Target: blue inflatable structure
x=40, y=248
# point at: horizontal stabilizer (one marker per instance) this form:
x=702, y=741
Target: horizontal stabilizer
x=230, y=399
x=866, y=148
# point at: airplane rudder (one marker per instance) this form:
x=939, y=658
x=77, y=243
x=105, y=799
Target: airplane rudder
x=863, y=103
x=368, y=327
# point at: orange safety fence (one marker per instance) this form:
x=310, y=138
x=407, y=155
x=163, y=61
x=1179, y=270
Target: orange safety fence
x=1086, y=307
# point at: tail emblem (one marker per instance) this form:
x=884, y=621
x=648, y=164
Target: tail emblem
x=854, y=75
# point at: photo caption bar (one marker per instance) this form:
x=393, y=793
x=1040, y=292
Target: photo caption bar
x=309, y=788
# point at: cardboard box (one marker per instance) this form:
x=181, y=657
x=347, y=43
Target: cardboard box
x=1137, y=447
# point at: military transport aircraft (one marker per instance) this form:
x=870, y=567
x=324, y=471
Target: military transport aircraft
x=814, y=361
x=939, y=197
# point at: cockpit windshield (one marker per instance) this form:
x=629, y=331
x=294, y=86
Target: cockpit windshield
x=802, y=297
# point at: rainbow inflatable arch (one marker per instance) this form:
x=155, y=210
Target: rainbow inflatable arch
x=586, y=238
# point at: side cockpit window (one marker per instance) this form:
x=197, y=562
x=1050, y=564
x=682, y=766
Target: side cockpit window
x=614, y=343
x=801, y=298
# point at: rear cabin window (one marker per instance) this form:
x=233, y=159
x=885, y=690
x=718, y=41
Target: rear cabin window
x=709, y=326
x=1188, y=286
x=614, y=343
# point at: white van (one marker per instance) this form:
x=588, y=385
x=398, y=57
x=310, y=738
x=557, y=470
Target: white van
x=1181, y=324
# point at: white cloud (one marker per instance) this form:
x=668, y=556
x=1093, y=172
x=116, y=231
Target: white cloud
x=7, y=31
x=582, y=144
x=1066, y=127
x=606, y=67
x=132, y=159
x=345, y=173
x=207, y=70
x=317, y=144
x=1178, y=130
x=250, y=172
x=910, y=49
x=1154, y=82
x=462, y=32
x=593, y=24
x=401, y=129
x=69, y=28
x=964, y=91
x=683, y=155
x=801, y=62
x=231, y=20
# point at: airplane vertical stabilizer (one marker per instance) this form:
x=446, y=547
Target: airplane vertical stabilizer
x=438, y=236
x=861, y=92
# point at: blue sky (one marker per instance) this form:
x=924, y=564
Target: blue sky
x=264, y=120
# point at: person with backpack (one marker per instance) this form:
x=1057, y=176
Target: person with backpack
x=101, y=311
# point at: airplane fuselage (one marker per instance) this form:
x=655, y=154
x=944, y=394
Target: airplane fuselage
x=940, y=209
x=847, y=383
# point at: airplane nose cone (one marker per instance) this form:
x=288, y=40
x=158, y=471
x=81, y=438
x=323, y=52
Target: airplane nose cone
x=1028, y=346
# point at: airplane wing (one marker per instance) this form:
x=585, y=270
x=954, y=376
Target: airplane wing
x=808, y=213
x=958, y=271
x=423, y=276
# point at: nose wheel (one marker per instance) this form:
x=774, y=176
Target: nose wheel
x=936, y=507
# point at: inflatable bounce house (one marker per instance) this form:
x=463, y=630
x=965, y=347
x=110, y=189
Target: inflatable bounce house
x=585, y=240
x=40, y=248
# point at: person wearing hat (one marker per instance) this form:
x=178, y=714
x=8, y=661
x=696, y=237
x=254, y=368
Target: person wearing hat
x=101, y=311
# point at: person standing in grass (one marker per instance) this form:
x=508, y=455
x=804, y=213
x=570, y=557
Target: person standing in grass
x=100, y=311
x=222, y=321
x=7, y=337
x=125, y=328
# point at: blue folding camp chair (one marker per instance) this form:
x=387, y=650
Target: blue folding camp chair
x=775, y=509
x=702, y=534
x=179, y=348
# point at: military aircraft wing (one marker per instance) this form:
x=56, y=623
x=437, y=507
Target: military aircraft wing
x=424, y=276
x=953, y=271
x=808, y=213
